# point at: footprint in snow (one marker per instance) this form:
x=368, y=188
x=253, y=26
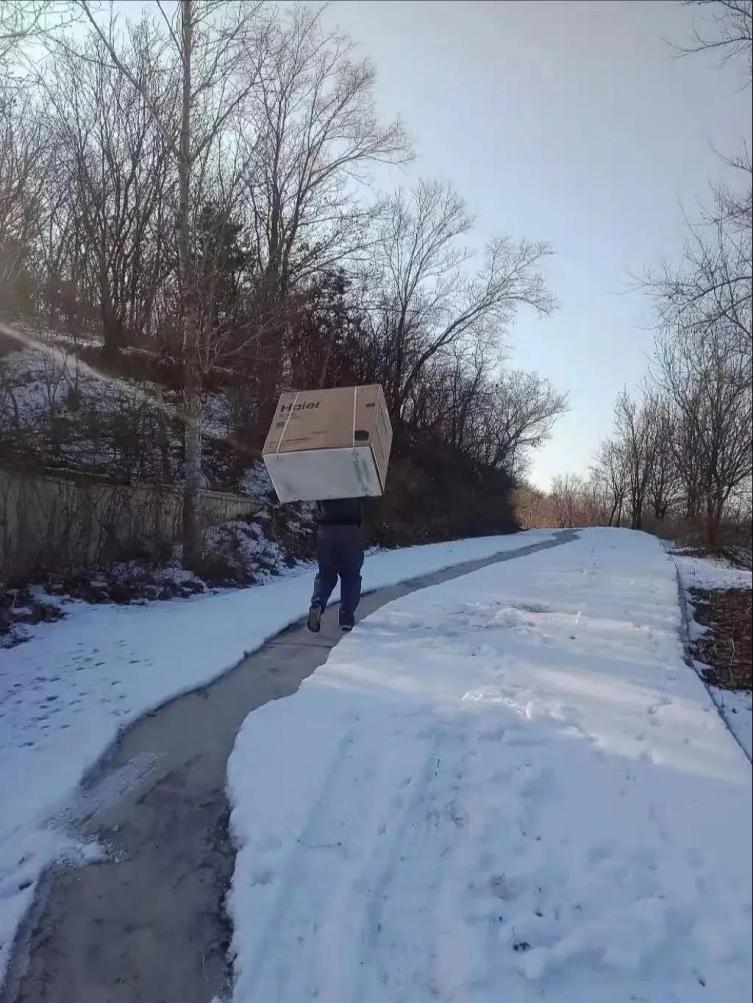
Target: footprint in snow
x=653, y=710
x=503, y=887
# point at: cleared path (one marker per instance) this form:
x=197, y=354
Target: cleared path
x=148, y=925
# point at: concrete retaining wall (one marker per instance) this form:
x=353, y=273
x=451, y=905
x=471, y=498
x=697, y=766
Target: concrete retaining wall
x=68, y=520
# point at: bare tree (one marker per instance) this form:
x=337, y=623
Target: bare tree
x=727, y=28
x=663, y=476
x=567, y=494
x=611, y=469
x=714, y=283
x=704, y=311
x=203, y=180
x=24, y=23
x=637, y=435
x=315, y=137
x=206, y=49
x=713, y=287
x=687, y=454
x=450, y=395
x=19, y=21
x=495, y=417
x=513, y=415
x=24, y=162
x=119, y=182
x=709, y=384
x=428, y=297
x=534, y=508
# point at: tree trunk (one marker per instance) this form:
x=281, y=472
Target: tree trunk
x=192, y=383
x=110, y=322
x=691, y=505
x=713, y=521
x=192, y=416
x=112, y=331
x=325, y=364
x=712, y=531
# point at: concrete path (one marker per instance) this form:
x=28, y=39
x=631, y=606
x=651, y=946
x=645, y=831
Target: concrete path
x=148, y=924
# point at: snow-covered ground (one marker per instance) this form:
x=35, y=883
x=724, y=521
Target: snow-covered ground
x=509, y=787
x=69, y=413
x=736, y=706
x=66, y=692
x=709, y=573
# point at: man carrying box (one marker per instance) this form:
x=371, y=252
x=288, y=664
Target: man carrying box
x=329, y=444
x=333, y=447
x=339, y=551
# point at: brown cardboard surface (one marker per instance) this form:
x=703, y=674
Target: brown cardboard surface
x=338, y=418
x=381, y=438
x=349, y=427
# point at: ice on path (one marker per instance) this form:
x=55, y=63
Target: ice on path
x=508, y=787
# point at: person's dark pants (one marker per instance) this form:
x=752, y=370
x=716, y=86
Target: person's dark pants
x=339, y=550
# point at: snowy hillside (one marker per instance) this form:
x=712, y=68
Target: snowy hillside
x=67, y=413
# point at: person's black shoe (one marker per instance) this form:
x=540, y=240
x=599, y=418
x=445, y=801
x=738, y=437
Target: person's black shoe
x=347, y=622
x=314, y=621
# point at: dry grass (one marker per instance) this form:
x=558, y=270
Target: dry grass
x=726, y=647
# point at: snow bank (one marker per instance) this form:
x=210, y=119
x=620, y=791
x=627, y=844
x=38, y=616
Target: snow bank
x=509, y=787
x=737, y=708
x=66, y=693
x=708, y=573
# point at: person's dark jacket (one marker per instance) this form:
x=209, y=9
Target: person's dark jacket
x=339, y=512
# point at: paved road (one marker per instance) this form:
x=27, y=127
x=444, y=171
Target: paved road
x=148, y=925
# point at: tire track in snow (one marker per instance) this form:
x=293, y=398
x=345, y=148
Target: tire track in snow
x=418, y=824
x=289, y=877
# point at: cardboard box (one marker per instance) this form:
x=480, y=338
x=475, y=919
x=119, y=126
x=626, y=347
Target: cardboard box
x=327, y=444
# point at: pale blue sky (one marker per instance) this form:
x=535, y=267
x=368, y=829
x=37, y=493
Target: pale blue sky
x=567, y=122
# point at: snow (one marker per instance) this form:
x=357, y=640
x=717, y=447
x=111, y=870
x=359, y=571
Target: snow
x=505, y=787
x=66, y=692
x=709, y=573
x=737, y=708
x=256, y=481
x=70, y=413
x=244, y=547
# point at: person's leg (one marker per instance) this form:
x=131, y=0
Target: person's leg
x=350, y=562
x=326, y=579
